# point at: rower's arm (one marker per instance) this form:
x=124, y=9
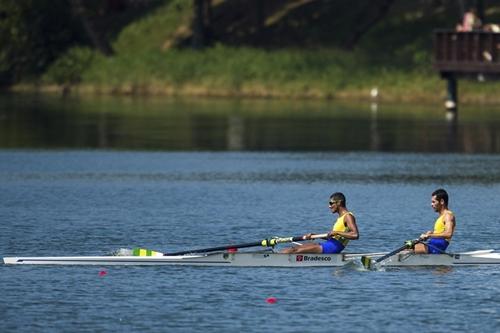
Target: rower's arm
x=353, y=228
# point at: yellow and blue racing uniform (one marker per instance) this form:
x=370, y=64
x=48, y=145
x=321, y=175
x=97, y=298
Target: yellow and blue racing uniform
x=438, y=245
x=337, y=243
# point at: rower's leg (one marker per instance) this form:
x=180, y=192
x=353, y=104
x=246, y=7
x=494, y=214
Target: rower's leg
x=306, y=248
x=420, y=248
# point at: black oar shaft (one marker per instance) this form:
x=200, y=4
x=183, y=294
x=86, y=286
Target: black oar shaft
x=368, y=262
x=407, y=245
x=390, y=254
x=217, y=248
x=265, y=243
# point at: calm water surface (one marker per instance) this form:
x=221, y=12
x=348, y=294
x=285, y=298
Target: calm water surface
x=191, y=180
x=89, y=203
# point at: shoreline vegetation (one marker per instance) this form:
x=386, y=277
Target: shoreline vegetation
x=150, y=59
x=469, y=92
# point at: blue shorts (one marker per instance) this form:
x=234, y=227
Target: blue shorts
x=435, y=244
x=332, y=246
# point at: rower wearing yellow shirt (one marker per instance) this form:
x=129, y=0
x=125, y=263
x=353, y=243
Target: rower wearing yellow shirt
x=343, y=230
x=440, y=237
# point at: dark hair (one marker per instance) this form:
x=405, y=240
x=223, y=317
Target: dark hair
x=338, y=197
x=441, y=194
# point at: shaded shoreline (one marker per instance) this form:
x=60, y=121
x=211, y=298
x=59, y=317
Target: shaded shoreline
x=251, y=92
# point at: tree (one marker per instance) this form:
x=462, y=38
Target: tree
x=32, y=34
x=377, y=10
x=96, y=36
x=201, y=24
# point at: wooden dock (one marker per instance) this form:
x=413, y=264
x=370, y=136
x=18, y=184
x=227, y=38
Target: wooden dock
x=472, y=55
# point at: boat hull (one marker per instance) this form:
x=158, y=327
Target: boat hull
x=458, y=259
x=215, y=259
x=267, y=259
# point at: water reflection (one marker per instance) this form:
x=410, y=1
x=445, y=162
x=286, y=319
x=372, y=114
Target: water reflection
x=443, y=270
x=452, y=130
x=374, y=133
x=235, y=133
x=241, y=125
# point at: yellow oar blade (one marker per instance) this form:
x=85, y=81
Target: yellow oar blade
x=138, y=252
x=367, y=262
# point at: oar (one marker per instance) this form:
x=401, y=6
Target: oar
x=265, y=243
x=368, y=262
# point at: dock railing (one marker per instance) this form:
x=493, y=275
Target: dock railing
x=467, y=54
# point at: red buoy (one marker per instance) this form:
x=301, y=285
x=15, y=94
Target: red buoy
x=271, y=300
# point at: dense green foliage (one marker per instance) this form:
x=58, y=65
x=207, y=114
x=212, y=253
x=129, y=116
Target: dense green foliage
x=307, y=51
x=69, y=68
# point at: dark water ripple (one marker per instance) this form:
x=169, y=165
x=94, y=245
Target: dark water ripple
x=307, y=167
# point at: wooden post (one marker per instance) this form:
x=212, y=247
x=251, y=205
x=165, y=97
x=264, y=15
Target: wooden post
x=452, y=96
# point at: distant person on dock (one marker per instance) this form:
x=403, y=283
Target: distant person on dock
x=440, y=237
x=343, y=230
x=470, y=21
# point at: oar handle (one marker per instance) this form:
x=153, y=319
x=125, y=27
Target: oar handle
x=319, y=236
x=278, y=240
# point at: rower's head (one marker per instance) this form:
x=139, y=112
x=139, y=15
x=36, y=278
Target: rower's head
x=439, y=199
x=336, y=201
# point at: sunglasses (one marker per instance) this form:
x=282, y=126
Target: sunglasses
x=331, y=203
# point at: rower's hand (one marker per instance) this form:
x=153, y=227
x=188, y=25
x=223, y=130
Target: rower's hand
x=331, y=234
x=307, y=236
x=426, y=235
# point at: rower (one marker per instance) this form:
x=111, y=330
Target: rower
x=440, y=237
x=343, y=230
